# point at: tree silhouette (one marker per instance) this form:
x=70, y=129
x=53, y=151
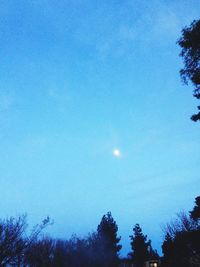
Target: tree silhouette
x=141, y=247
x=40, y=253
x=190, y=45
x=14, y=240
x=108, y=240
x=195, y=213
x=181, y=247
x=168, y=250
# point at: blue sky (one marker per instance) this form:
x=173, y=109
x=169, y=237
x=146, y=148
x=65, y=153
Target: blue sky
x=79, y=79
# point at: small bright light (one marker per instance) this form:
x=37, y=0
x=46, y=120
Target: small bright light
x=116, y=152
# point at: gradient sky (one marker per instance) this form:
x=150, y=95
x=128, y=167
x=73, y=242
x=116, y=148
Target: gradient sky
x=79, y=79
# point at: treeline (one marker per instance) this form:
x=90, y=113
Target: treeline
x=98, y=249
x=181, y=246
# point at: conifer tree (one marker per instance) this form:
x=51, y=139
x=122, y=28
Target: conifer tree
x=141, y=247
x=108, y=240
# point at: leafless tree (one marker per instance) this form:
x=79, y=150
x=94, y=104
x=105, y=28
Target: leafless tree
x=14, y=240
x=182, y=223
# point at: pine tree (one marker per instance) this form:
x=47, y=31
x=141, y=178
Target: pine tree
x=141, y=247
x=108, y=240
x=168, y=250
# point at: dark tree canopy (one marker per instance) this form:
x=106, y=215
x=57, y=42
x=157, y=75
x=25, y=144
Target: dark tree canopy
x=141, y=247
x=108, y=239
x=39, y=254
x=15, y=242
x=190, y=45
x=181, y=247
x=168, y=250
x=195, y=213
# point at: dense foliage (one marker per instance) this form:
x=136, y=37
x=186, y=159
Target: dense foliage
x=141, y=247
x=107, y=237
x=181, y=247
x=190, y=45
x=17, y=248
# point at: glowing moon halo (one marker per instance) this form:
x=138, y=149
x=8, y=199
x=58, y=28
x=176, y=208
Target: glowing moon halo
x=116, y=152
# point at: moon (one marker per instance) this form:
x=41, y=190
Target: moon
x=116, y=152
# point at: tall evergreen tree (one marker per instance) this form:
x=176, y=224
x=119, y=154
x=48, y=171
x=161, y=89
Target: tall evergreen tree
x=108, y=240
x=168, y=250
x=141, y=247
